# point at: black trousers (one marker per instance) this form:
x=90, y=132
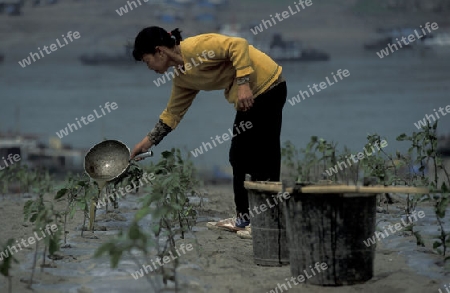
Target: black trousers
x=257, y=150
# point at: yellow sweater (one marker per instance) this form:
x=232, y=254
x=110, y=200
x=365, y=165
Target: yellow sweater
x=226, y=59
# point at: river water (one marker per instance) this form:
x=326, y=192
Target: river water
x=386, y=96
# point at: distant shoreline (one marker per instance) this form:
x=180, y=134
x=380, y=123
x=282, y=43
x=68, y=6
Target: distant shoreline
x=337, y=27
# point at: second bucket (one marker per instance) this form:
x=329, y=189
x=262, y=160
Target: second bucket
x=270, y=247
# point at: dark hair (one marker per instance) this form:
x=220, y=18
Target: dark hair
x=153, y=36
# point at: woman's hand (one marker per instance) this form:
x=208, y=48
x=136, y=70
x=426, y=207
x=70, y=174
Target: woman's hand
x=245, y=97
x=141, y=147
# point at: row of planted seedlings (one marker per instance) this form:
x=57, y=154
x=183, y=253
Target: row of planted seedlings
x=172, y=215
x=40, y=212
x=166, y=201
x=420, y=166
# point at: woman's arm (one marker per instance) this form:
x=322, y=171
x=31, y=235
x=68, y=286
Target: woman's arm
x=179, y=103
x=236, y=50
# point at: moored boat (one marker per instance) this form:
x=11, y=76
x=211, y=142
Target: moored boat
x=394, y=37
x=103, y=58
x=278, y=48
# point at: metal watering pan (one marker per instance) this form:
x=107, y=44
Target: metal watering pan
x=108, y=160
x=105, y=162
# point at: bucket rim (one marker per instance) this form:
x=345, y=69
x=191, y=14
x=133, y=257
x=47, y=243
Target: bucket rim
x=351, y=190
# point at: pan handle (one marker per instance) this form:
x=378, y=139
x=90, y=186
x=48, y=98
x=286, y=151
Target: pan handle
x=143, y=156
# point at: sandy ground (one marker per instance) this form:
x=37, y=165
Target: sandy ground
x=220, y=261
